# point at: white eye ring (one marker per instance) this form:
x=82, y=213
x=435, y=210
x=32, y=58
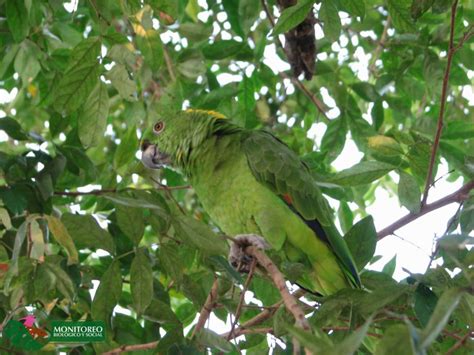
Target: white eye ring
x=158, y=127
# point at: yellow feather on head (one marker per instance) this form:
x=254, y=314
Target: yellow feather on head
x=209, y=112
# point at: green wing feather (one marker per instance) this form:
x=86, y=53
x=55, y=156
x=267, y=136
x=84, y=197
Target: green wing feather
x=279, y=168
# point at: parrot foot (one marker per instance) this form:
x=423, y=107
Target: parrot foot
x=237, y=257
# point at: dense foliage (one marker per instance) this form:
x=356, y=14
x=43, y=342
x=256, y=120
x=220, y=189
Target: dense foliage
x=80, y=81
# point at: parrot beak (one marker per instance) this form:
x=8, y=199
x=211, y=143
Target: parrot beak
x=151, y=157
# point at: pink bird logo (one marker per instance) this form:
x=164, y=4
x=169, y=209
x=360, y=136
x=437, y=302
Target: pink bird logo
x=29, y=320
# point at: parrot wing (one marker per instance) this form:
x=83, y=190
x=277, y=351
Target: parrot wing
x=275, y=165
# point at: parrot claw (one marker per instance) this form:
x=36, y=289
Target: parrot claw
x=237, y=257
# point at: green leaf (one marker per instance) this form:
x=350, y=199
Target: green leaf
x=389, y=268
x=36, y=238
x=170, y=260
x=141, y=281
x=143, y=200
x=5, y=218
x=26, y=62
x=63, y=281
x=127, y=148
x=377, y=114
x=466, y=220
x=447, y=303
x=419, y=7
x=120, y=79
x=86, y=232
x=130, y=220
x=226, y=48
x=149, y=43
x=93, y=118
x=292, y=16
x=80, y=77
x=107, y=294
x=332, y=23
x=192, y=66
x=247, y=101
x=334, y=138
x=366, y=91
x=409, y=192
x=385, y=146
x=441, y=6
x=362, y=240
x=425, y=303
x=161, y=312
x=62, y=236
x=317, y=343
x=7, y=59
x=13, y=128
x=212, y=340
x=362, y=173
x=20, y=237
x=458, y=129
x=17, y=19
x=198, y=234
x=400, y=12
x=397, y=340
x=231, y=7
x=352, y=342
x=419, y=158
x=353, y=7
x=380, y=297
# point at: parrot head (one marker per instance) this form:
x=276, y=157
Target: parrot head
x=171, y=139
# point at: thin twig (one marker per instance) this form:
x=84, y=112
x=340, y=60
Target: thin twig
x=318, y=103
x=279, y=280
x=106, y=191
x=380, y=45
x=170, y=195
x=169, y=64
x=444, y=94
x=242, y=297
x=266, y=314
x=457, y=196
x=459, y=343
x=134, y=347
x=207, y=308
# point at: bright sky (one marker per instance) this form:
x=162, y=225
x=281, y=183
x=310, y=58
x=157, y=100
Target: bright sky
x=414, y=242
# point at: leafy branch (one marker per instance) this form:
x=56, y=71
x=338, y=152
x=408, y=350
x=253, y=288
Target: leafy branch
x=134, y=347
x=457, y=196
x=444, y=93
x=207, y=308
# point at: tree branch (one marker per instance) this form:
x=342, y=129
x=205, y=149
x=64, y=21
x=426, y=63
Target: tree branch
x=457, y=196
x=266, y=314
x=242, y=297
x=207, y=308
x=380, y=45
x=134, y=347
x=106, y=191
x=279, y=280
x=459, y=343
x=444, y=94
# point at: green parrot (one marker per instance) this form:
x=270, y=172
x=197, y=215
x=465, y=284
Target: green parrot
x=251, y=183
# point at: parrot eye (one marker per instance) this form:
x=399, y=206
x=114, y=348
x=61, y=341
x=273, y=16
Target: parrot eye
x=158, y=127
